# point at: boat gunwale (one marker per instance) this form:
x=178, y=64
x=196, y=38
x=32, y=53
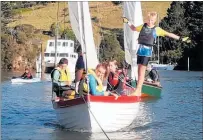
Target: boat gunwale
x=97, y=99
x=152, y=85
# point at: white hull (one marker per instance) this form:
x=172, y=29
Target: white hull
x=163, y=67
x=111, y=116
x=20, y=80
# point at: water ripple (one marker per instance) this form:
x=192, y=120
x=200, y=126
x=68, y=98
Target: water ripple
x=27, y=112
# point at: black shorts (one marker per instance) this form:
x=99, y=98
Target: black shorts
x=143, y=60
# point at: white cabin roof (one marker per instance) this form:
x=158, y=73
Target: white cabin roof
x=63, y=46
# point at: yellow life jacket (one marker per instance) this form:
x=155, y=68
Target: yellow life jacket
x=64, y=75
x=99, y=82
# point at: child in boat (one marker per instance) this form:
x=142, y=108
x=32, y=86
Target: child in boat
x=148, y=33
x=62, y=79
x=27, y=74
x=116, y=78
x=79, y=69
x=152, y=76
x=95, y=79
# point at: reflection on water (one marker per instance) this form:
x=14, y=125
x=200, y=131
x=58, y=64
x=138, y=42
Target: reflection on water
x=27, y=112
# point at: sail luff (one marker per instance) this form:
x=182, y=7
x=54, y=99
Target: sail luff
x=133, y=11
x=82, y=27
x=82, y=42
x=91, y=53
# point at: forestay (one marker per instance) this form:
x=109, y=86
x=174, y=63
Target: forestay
x=82, y=27
x=132, y=10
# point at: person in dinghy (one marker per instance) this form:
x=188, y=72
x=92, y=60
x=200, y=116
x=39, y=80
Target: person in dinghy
x=27, y=74
x=148, y=33
x=61, y=79
x=95, y=79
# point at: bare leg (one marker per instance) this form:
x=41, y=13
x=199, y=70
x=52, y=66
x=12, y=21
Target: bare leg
x=78, y=77
x=141, y=74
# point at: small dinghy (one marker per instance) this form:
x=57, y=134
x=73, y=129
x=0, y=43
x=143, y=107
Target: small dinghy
x=21, y=80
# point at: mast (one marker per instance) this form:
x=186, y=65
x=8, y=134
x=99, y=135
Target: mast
x=158, y=40
x=56, y=37
x=81, y=33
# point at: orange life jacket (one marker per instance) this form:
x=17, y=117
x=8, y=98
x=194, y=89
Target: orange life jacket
x=114, y=78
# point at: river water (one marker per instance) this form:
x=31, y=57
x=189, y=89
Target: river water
x=27, y=112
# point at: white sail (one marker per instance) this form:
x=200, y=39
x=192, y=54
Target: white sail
x=132, y=10
x=82, y=27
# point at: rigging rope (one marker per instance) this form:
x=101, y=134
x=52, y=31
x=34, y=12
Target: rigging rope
x=95, y=117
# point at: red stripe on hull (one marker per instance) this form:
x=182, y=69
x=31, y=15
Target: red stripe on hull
x=111, y=99
x=101, y=99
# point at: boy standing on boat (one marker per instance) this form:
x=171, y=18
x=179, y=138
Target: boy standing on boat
x=148, y=33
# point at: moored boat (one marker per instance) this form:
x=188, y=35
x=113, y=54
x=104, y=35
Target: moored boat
x=162, y=66
x=149, y=89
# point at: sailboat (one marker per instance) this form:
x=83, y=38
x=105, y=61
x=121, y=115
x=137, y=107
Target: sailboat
x=93, y=113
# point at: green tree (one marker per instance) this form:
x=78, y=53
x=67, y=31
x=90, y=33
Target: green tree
x=174, y=22
x=185, y=19
x=68, y=33
x=6, y=14
x=111, y=49
x=7, y=50
x=194, y=23
x=53, y=29
x=116, y=2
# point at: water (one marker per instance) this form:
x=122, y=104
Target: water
x=27, y=112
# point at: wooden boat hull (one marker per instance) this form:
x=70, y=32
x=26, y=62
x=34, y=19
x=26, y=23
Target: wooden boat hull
x=78, y=114
x=149, y=90
x=111, y=114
